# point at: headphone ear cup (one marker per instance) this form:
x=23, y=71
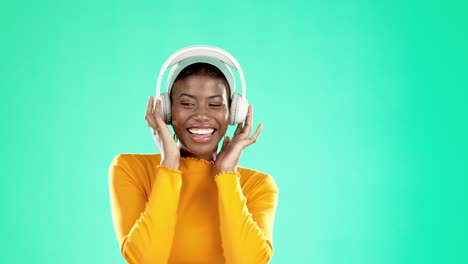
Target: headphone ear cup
x=166, y=108
x=238, y=110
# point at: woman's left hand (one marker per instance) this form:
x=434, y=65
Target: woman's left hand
x=229, y=156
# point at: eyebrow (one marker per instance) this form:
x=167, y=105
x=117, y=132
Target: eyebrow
x=192, y=96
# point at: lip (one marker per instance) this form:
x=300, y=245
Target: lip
x=202, y=138
x=202, y=126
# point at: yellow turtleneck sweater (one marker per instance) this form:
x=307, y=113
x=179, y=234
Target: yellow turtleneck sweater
x=190, y=215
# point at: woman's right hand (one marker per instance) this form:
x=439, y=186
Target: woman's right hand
x=170, y=153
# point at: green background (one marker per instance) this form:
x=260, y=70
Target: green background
x=364, y=106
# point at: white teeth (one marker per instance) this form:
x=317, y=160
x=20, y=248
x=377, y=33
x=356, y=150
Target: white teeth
x=201, y=131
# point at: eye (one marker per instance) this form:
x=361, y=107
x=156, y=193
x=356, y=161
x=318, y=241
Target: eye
x=216, y=105
x=187, y=104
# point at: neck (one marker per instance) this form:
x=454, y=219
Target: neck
x=208, y=156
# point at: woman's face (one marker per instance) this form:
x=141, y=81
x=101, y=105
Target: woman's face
x=200, y=114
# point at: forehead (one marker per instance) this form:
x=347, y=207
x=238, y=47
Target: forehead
x=199, y=86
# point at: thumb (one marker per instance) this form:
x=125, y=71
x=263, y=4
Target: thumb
x=226, y=141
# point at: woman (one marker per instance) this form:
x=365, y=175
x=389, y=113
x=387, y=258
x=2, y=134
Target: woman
x=191, y=203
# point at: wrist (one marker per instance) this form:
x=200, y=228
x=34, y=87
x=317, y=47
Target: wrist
x=227, y=170
x=172, y=163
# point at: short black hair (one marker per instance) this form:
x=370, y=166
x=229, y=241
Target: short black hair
x=203, y=69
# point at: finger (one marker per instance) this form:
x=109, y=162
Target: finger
x=226, y=141
x=238, y=129
x=161, y=125
x=149, y=107
x=150, y=121
x=149, y=116
x=157, y=107
x=253, y=138
x=157, y=113
x=248, y=121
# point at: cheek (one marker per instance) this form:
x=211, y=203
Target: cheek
x=225, y=116
x=177, y=119
x=222, y=114
x=223, y=120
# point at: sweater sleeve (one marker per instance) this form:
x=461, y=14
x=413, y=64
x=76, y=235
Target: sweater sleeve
x=246, y=225
x=144, y=224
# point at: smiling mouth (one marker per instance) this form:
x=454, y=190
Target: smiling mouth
x=201, y=135
x=201, y=131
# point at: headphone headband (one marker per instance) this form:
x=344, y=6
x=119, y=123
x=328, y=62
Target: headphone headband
x=223, y=67
x=200, y=51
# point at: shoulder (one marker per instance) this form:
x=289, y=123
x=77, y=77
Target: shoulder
x=131, y=165
x=135, y=160
x=251, y=180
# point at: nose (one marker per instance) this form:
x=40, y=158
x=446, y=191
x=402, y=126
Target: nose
x=201, y=114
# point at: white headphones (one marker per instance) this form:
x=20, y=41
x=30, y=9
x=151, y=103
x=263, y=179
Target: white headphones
x=207, y=54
